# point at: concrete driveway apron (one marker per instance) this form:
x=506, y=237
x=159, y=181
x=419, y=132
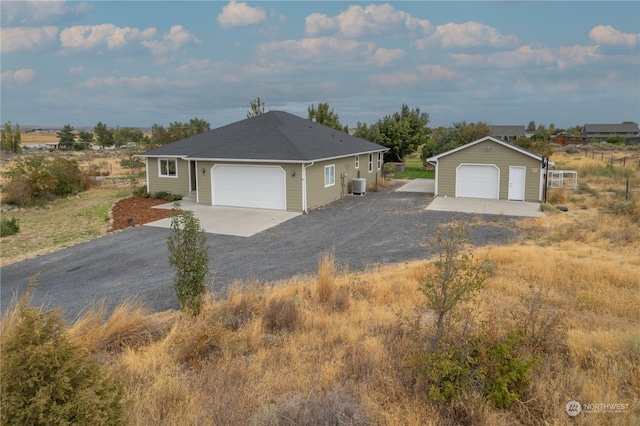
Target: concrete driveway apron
x=236, y=221
x=482, y=206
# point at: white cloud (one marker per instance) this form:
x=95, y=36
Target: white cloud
x=397, y=79
x=468, y=34
x=20, y=76
x=137, y=83
x=177, y=38
x=358, y=21
x=76, y=70
x=38, y=12
x=437, y=72
x=236, y=14
x=317, y=49
x=562, y=57
x=15, y=39
x=88, y=37
x=383, y=57
x=608, y=35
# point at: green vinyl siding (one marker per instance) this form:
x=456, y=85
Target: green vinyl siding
x=345, y=171
x=293, y=183
x=174, y=185
x=489, y=152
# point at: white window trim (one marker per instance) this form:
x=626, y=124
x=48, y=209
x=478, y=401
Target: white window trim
x=357, y=162
x=333, y=175
x=160, y=174
x=379, y=160
x=370, y=163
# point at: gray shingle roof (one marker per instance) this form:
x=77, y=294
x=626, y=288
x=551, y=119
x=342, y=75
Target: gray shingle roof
x=500, y=131
x=612, y=128
x=272, y=136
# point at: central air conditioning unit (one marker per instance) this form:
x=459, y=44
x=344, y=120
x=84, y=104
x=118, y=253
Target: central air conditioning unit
x=359, y=186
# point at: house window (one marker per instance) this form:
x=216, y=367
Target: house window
x=379, y=160
x=168, y=167
x=370, y=163
x=329, y=175
x=357, y=164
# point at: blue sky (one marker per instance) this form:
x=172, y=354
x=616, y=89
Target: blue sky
x=138, y=63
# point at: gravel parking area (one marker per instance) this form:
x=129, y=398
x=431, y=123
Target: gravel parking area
x=379, y=228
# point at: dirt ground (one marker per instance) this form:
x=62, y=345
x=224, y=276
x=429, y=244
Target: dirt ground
x=136, y=211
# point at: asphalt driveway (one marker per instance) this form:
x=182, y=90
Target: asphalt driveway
x=379, y=228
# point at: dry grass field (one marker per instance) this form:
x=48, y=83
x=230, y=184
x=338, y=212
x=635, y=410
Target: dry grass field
x=333, y=348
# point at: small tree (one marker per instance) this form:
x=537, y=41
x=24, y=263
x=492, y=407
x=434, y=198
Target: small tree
x=189, y=255
x=66, y=137
x=458, y=276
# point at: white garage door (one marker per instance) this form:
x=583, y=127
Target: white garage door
x=260, y=187
x=477, y=181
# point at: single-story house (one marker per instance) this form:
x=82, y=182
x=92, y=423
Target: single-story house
x=604, y=131
x=490, y=168
x=507, y=133
x=274, y=160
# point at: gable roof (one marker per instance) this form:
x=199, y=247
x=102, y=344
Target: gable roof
x=499, y=131
x=611, y=128
x=274, y=136
x=498, y=141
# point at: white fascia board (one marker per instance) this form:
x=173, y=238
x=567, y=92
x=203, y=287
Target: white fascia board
x=489, y=138
x=258, y=160
x=182, y=157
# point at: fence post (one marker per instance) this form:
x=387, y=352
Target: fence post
x=628, y=195
x=602, y=156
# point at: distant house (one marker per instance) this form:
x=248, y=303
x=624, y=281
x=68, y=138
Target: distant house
x=274, y=160
x=604, y=131
x=507, y=133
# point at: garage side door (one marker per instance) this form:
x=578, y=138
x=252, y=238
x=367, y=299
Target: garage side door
x=260, y=187
x=477, y=181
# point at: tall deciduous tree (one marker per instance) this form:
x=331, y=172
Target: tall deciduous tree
x=402, y=132
x=257, y=107
x=66, y=137
x=11, y=138
x=177, y=131
x=446, y=138
x=326, y=116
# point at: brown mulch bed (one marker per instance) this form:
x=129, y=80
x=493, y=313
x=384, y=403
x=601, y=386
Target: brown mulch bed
x=137, y=211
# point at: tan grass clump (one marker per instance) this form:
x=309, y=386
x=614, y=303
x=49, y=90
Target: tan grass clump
x=130, y=324
x=326, y=276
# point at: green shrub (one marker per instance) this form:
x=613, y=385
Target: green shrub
x=493, y=367
x=9, y=227
x=141, y=191
x=68, y=176
x=167, y=196
x=47, y=380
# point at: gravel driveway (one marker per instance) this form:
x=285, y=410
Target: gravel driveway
x=379, y=228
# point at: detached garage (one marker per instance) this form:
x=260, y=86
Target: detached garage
x=490, y=168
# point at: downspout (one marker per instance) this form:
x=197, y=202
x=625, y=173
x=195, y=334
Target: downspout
x=305, y=207
x=146, y=165
x=435, y=190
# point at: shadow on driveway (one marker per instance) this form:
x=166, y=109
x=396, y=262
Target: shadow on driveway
x=379, y=228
